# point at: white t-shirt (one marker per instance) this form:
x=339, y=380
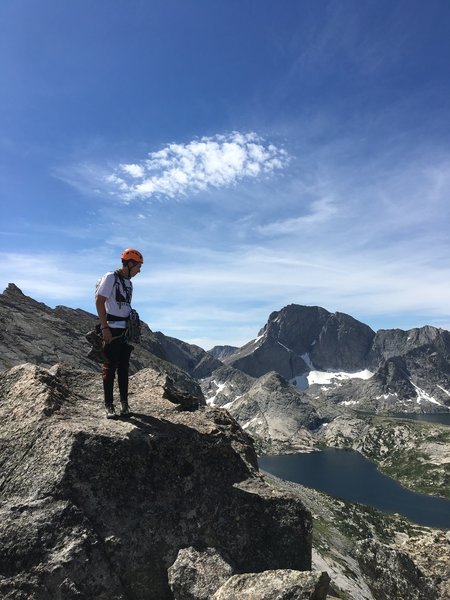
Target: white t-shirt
x=118, y=298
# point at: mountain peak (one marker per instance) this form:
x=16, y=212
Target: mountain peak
x=12, y=290
x=299, y=338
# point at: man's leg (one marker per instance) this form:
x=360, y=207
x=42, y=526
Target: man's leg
x=122, y=376
x=108, y=374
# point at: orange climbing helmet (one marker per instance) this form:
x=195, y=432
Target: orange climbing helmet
x=132, y=254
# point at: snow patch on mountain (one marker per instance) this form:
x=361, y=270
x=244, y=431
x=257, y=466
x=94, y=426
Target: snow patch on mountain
x=253, y=422
x=283, y=346
x=256, y=341
x=444, y=390
x=220, y=387
x=229, y=404
x=334, y=378
x=422, y=396
x=386, y=396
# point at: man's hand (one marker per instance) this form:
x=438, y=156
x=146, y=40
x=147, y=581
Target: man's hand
x=107, y=335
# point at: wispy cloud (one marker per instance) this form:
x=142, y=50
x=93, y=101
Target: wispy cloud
x=225, y=296
x=179, y=169
x=51, y=279
x=186, y=299
x=321, y=210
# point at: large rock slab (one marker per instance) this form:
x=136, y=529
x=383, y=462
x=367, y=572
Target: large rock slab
x=275, y=585
x=196, y=575
x=95, y=508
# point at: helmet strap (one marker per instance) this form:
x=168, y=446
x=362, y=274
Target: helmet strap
x=126, y=268
x=129, y=267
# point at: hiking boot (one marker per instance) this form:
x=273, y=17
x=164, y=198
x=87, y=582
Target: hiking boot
x=110, y=411
x=125, y=410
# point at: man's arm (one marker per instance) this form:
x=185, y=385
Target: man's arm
x=101, y=311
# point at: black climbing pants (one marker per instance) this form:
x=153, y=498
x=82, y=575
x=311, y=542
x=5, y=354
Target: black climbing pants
x=118, y=354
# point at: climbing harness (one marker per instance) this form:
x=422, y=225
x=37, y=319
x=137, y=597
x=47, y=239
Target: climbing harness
x=132, y=332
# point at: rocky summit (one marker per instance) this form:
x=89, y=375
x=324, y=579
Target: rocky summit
x=100, y=509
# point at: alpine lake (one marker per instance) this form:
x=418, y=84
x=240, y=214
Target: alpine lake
x=346, y=474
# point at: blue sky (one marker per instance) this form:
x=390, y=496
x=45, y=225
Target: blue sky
x=258, y=153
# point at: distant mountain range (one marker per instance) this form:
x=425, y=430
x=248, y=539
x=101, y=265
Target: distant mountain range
x=344, y=360
x=310, y=378
x=298, y=339
x=335, y=362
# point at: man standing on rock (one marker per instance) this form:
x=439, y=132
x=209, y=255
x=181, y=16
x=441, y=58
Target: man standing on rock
x=113, y=302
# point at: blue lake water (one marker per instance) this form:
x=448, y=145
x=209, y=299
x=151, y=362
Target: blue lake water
x=348, y=475
x=442, y=418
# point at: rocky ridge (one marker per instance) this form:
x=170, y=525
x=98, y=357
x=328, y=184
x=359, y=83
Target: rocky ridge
x=189, y=357
x=220, y=352
x=34, y=332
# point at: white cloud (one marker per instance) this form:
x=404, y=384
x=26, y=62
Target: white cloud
x=217, y=297
x=321, y=210
x=48, y=278
x=179, y=169
x=133, y=170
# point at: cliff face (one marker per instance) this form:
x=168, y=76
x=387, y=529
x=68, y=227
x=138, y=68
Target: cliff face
x=296, y=337
x=92, y=508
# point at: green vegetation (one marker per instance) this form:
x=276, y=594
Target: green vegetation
x=416, y=453
x=402, y=450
